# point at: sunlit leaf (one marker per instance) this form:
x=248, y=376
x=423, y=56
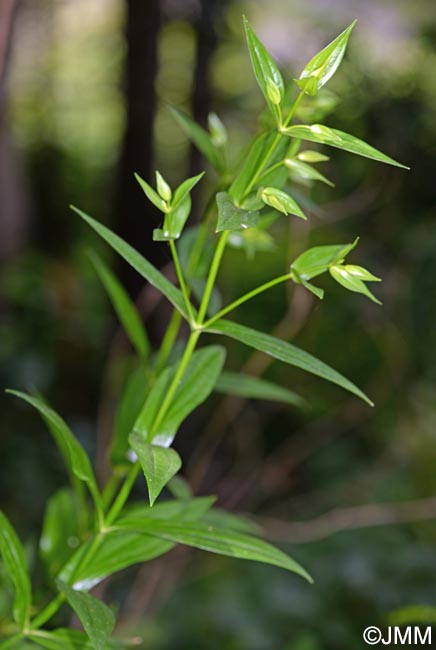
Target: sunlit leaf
x=266, y=71
x=324, y=64
x=124, y=307
x=151, y=194
x=159, y=464
x=340, y=140
x=12, y=554
x=318, y=259
x=285, y=352
x=281, y=201
x=234, y=383
x=97, y=619
x=351, y=281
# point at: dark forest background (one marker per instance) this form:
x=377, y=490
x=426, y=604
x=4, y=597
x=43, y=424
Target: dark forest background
x=84, y=92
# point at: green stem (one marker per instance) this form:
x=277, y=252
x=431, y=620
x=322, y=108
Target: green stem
x=123, y=494
x=168, y=341
x=246, y=297
x=190, y=347
x=111, y=488
x=271, y=169
x=47, y=612
x=181, y=280
x=216, y=261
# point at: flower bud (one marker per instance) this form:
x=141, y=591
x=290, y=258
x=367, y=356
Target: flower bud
x=273, y=92
x=163, y=188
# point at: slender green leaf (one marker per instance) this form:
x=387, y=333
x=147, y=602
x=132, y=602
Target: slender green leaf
x=74, y=455
x=351, y=282
x=60, y=530
x=174, y=221
x=186, y=509
x=266, y=72
x=285, y=352
x=340, y=140
x=324, y=64
x=230, y=521
x=138, y=262
x=258, y=150
x=159, y=464
x=69, y=639
x=201, y=139
x=124, y=307
x=151, y=194
x=185, y=188
x=318, y=259
x=234, y=383
x=232, y=218
x=223, y=542
x=97, y=619
x=14, y=560
x=197, y=384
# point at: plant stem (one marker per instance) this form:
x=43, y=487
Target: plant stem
x=212, y=275
x=168, y=341
x=181, y=280
x=246, y=297
x=123, y=494
x=272, y=168
x=111, y=488
x=47, y=612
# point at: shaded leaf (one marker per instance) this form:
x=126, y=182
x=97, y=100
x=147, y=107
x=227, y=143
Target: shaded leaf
x=126, y=310
x=12, y=554
x=234, y=383
x=232, y=218
x=196, y=385
x=340, y=140
x=60, y=531
x=97, y=619
x=200, y=138
x=138, y=262
x=159, y=464
x=250, y=167
x=285, y=352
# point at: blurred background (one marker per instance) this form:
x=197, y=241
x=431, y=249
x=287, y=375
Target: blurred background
x=348, y=490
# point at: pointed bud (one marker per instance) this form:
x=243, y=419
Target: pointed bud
x=217, y=130
x=163, y=188
x=273, y=92
x=281, y=201
x=351, y=282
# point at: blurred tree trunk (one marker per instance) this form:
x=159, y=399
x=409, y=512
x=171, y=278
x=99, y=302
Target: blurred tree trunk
x=135, y=217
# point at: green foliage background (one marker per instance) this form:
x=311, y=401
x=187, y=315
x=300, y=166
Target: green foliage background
x=64, y=124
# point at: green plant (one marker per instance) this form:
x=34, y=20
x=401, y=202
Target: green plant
x=163, y=388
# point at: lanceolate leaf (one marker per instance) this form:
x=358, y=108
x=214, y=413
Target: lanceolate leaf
x=60, y=530
x=340, y=140
x=318, y=259
x=234, y=383
x=197, y=384
x=151, y=194
x=159, y=464
x=12, y=554
x=200, y=138
x=304, y=171
x=185, y=188
x=224, y=542
x=124, y=307
x=285, y=352
x=97, y=619
x=69, y=639
x=324, y=64
x=265, y=70
x=74, y=455
x=232, y=218
x=138, y=262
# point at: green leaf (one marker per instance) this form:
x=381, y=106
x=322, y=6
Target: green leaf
x=97, y=619
x=69, y=639
x=186, y=509
x=14, y=560
x=281, y=201
x=223, y=542
x=185, y=188
x=60, y=531
x=151, y=194
x=340, y=140
x=230, y=521
x=130, y=404
x=318, y=259
x=324, y=64
x=232, y=218
x=266, y=72
x=124, y=307
x=234, y=383
x=304, y=171
x=285, y=352
x=74, y=455
x=252, y=162
x=159, y=464
x=252, y=241
x=138, y=262
x=351, y=282
x=201, y=139
x=197, y=384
